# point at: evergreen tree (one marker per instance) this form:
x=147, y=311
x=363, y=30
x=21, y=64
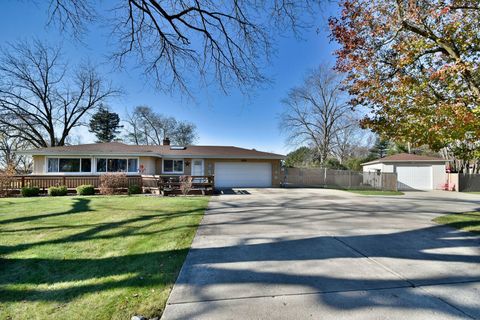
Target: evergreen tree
x=301, y=157
x=105, y=124
x=380, y=148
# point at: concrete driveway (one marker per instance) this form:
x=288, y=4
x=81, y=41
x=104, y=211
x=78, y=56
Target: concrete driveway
x=328, y=254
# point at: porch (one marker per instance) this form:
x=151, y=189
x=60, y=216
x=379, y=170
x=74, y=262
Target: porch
x=159, y=184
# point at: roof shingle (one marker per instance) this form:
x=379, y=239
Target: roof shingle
x=405, y=157
x=121, y=148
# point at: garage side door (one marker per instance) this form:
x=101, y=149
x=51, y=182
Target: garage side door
x=243, y=175
x=414, y=177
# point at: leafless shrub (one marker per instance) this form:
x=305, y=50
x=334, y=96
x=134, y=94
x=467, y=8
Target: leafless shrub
x=185, y=184
x=7, y=177
x=113, y=183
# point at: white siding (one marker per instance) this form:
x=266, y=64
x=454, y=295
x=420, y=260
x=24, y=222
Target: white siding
x=373, y=167
x=388, y=168
x=439, y=176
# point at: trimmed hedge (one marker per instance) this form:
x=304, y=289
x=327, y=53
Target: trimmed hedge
x=134, y=189
x=30, y=191
x=85, y=190
x=57, y=191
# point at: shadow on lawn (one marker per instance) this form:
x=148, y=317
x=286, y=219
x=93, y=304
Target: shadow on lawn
x=79, y=205
x=466, y=224
x=127, y=271
x=132, y=271
x=95, y=230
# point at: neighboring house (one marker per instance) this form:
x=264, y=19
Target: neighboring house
x=231, y=166
x=414, y=172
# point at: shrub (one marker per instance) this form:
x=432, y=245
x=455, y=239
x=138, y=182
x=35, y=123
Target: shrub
x=85, y=190
x=30, y=191
x=113, y=183
x=57, y=191
x=134, y=189
x=185, y=184
x=7, y=178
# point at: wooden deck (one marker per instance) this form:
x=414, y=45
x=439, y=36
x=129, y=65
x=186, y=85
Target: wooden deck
x=170, y=184
x=164, y=184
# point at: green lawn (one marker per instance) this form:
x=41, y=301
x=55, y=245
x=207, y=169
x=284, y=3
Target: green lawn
x=92, y=257
x=376, y=192
x=468, y=221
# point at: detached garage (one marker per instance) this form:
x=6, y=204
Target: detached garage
x=414, y=172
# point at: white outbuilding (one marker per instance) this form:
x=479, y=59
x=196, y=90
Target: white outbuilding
x=414, y=172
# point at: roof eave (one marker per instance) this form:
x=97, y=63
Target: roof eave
x=397, y=161
x=149, y=154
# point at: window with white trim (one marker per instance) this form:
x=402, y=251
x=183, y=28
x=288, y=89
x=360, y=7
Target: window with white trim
x=69, y=165
x=117, y=165
x=172, y=165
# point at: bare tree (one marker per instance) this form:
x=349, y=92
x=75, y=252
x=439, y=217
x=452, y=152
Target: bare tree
x=147, y=127
x=181, y=40
x=350, y=141
x=41, y=98
x=8, y=156
x=184, y=134
x=316, y=112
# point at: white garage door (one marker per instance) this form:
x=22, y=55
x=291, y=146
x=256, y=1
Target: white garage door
x=414, y=177
x=243, y=175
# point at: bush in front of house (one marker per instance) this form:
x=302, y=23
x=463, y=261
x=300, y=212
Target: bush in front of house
x=30, y=191
x=186, y=184
x=7, y=180
x=113, y=183
x=86, y=190
x=57, y=191
x=134, y=189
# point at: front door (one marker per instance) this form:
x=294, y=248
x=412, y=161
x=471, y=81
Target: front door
x=197, y=167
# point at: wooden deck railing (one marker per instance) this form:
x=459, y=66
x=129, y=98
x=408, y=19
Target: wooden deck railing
x=166, y=184
x=170, y=184
x=71, y=182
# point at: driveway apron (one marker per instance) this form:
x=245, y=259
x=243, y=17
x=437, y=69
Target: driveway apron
x=329, y=254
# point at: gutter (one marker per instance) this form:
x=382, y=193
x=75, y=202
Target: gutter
x=157, y=155
x=403, y=161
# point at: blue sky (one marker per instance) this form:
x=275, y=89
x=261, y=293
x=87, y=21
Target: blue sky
x=221, y=119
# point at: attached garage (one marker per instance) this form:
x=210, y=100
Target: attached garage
x=414, y=172
x=243, y=174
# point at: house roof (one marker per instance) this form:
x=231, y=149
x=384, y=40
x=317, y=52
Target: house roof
x=121, y=149
x=405, y=157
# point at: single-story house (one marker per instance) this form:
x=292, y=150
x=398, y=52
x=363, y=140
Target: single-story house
x=414, y=172
x=231, y=166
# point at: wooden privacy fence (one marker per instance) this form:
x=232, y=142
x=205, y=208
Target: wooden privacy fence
x=71, y=182
x=345, y=179
x=466, y=182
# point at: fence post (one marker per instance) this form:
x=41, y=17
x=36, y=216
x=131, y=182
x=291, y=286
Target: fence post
x=325, y=177
x=23, y=181
x=349, y=179
x=64, y=180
